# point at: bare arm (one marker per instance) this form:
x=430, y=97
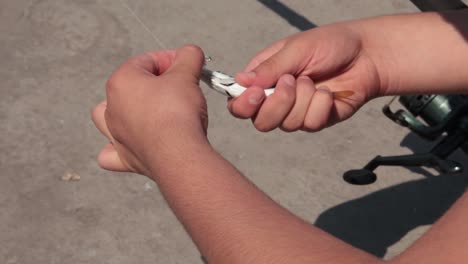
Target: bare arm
x=419, y=53
x=231, y=220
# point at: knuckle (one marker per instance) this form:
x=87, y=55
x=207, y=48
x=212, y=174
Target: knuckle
x=271, y=64
x=256, y=62
x=95, y=111
x=263, y=126
x=286, y=96
x=304, y=80
x=300, y=47
x=291, y=125
x=236, y=108
x=312, y=125
x=240, y=114
x=194, y=49
x=113, y=83
x=288, y=128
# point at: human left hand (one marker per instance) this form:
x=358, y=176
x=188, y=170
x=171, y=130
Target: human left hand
x=152, y=100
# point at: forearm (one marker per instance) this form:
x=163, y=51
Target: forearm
x=419, y=53
x=232, y=221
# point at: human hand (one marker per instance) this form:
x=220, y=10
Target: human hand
x=153, y=100
x=322, y=76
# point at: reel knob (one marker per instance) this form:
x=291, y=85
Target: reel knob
x=360, y=177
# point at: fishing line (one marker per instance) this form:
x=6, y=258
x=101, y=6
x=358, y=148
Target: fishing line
x=146, y=28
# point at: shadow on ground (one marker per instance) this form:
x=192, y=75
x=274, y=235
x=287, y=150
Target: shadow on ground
x=292, y=17
x=377, y=221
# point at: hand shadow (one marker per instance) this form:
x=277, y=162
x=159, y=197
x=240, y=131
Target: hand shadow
x=378, y=220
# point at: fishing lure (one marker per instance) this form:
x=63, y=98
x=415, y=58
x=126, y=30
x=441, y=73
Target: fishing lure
x=227, y=85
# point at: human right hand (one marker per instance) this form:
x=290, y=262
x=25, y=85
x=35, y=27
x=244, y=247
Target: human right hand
x=322, y=76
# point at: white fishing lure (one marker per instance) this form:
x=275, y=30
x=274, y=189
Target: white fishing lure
x=225, y=84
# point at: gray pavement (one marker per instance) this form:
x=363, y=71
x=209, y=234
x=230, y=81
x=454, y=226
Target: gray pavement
x=56, y=57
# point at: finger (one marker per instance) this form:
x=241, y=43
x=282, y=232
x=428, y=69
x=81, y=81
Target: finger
x=345, y=101
x=98, y=117
x=319, y=110
x=136, y=71
x=277, y=106
x=153, y=62
x=109, y=159
x=248, y=103
x=162, y=60
x=305, y=90
x=265, y=54
x=341, y=111
x=244, y=78
x=266, y=74
x=189, y=60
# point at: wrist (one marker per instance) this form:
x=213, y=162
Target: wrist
x=173, y=149
x=407, y=57
x=375, y=48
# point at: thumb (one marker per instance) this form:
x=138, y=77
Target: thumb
x=188, y=60
x=268, y=72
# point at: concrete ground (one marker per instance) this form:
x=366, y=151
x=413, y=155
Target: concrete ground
x=56, y=57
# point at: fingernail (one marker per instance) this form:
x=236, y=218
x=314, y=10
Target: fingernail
x=303, y=77
x=324, y=88
x=289, y=80
x=256, y=99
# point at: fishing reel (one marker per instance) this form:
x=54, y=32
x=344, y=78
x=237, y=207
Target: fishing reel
x=440, y=118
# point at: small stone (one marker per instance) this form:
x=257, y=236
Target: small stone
x=75, y=177
x=70, y=177
x=66, y=177
x=148, y=186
